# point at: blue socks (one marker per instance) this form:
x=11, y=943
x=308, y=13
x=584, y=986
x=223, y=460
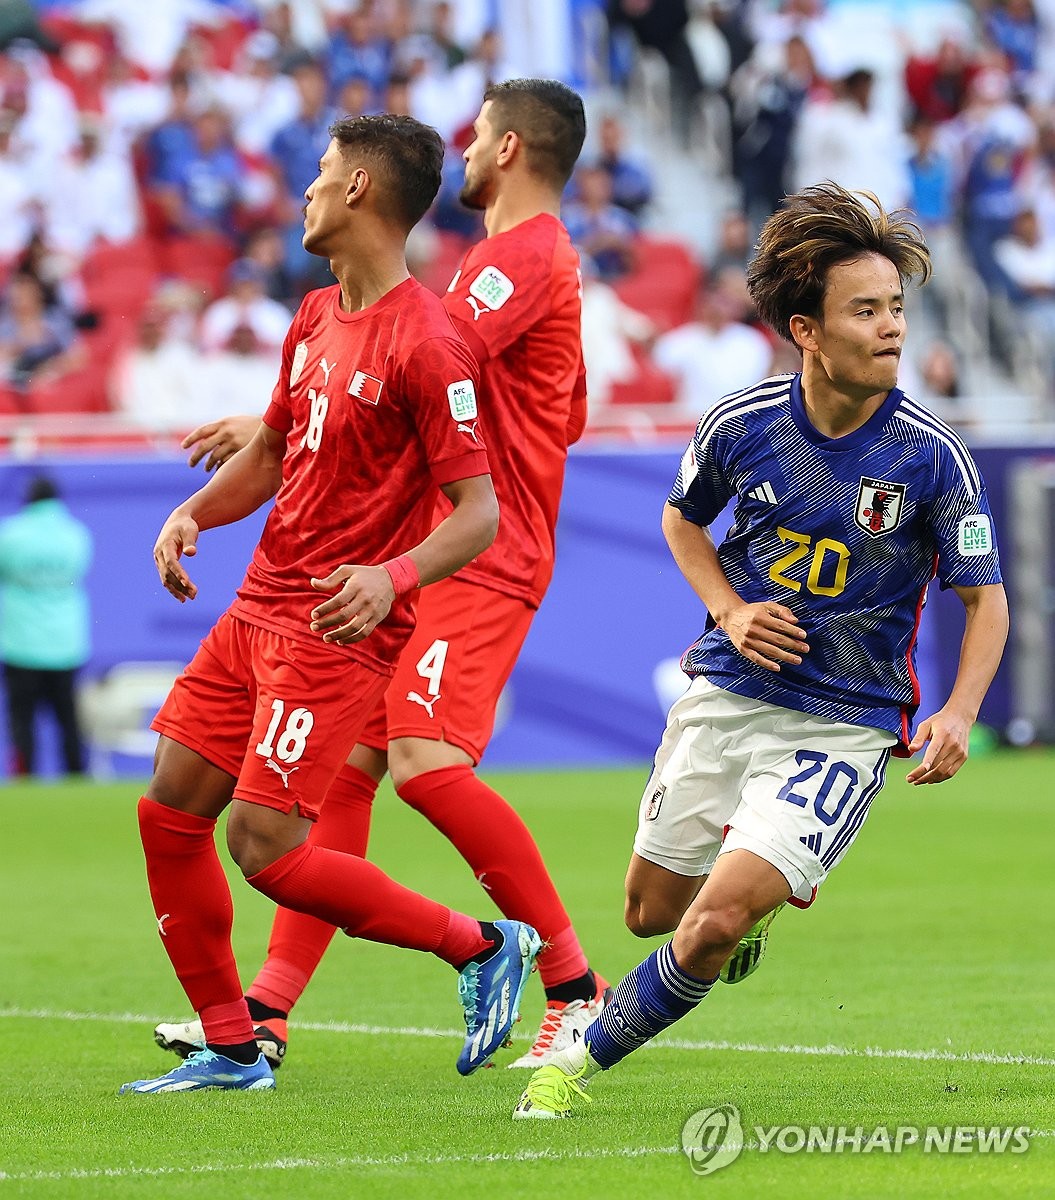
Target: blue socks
x=650, y=999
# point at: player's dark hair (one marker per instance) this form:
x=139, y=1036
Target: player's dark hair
x=407, y=154
x=815, y=230
x=548, y=117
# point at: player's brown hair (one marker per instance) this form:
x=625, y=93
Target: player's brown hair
x=548, y=117
x=407, y=153
x=815, y=230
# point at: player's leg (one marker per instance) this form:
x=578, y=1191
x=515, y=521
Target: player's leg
x=441, y=713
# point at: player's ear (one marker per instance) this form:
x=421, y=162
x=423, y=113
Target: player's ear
x=804, y=332
x=358, y=185
x=509, y=146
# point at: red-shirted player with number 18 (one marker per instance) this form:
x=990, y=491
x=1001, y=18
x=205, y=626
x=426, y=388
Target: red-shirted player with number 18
x=367, y=418
x=516, y=301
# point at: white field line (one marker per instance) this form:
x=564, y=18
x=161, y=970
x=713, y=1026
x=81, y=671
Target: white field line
x=991, y=1058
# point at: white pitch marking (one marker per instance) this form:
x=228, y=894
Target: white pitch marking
x=992, y=1058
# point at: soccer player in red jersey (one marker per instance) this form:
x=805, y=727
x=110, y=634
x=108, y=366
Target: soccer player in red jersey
x=516, y=302
x=374, y=409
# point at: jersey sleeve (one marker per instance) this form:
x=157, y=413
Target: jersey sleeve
x=962, y=524
x=440, y=383
x=495, y=304
x=701, y=489
x=279, y=413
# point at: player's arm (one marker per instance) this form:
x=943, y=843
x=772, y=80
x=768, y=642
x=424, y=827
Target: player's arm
x=250, y=479
x=765, y=633
x=949, y=729
x=367, y=592
x=219, y=440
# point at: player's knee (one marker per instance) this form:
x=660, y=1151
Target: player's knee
x=715, y=929
x=649, y=916
x=254, y=846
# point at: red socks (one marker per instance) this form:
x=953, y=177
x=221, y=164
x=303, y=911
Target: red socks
x=359, y=898
x=192, y=903
x=298, y=941
x=495, y=842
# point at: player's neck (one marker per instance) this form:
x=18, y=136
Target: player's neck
x=365, y=279
x=516, y=204
x=832, y=411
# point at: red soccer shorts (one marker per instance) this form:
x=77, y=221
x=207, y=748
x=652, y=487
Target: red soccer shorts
x=278, y=713
x=451, y=673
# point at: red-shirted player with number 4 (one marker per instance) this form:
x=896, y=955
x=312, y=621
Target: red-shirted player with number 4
x=516, y=302
x=371, y=413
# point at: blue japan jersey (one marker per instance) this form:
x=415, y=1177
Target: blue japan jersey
x=846, y=532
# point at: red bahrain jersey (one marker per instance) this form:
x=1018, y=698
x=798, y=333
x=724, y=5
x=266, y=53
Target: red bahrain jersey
x=517, y=301
x=378, y=408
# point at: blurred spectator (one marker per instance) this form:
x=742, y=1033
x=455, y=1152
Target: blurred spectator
x=715, y=354
x=354, y=99
x=735, y=243
x=934, y=200
x=171, y=140
x=994, y=136
x=661, y=25
x=631, y=182
x=18, y=192
x=939, y=382
x=610, y=330
x=357, y=48
x=156, y=382
x=1026, y=256
x=19, y=21
x=133, y=105
x=36, y=345
x=94, y=196
x=45, y=554
x=1013, y=27
x=266, y=248
x=247, y=306
x=598, y=227
x=201, y=189
x=238, y=377
x=937, y=84
x=151, y=32
x=60, y=284
x=849, y=140
x=768, y=94
x=443, y=36
x=396, y=97
x=47, y=128
x=259, y=99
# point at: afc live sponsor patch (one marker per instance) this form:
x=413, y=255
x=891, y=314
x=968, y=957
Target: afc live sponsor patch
x=492, y=288
x=366, y=387
x=974, y=536
x=461, y=396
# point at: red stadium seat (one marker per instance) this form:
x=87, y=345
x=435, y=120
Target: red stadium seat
x=450, y=249
x=664, y=283
x=650, y=386
x=78, y=392
x=203, y=260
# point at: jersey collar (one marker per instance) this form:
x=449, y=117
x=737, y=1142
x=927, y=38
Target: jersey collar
x=864, y=436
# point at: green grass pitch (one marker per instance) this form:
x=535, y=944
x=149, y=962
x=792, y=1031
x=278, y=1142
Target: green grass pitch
x=916, y=992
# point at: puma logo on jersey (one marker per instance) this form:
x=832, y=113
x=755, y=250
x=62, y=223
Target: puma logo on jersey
x=478, y=309
x=326, y=369
x=764, y=492
x=270, y=762
x=425, y=704
x=469, y=429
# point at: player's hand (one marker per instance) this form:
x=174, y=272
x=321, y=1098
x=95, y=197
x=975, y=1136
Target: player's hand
x=178, y=537
x=945, y=736
x=361, y=604
x=766, y=634
x=219, y=440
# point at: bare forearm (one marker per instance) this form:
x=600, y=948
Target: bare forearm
x=248, y=479
x=467, y=531
x=695, y=553
x=984, y=635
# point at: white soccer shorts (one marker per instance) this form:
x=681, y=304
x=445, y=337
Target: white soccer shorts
x=792, y=788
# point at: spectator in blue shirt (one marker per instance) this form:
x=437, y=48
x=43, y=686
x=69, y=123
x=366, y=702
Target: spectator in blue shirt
x=44, y=632
x=598, y=227
x=631, y=182
x=199, y=188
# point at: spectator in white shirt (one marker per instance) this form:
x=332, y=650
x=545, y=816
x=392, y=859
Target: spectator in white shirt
x=718, y=352
x=246, y=304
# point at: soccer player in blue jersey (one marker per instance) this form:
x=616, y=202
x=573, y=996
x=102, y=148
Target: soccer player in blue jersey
x=849, y=499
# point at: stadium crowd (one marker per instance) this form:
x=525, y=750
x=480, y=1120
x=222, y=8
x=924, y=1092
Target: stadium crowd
x=153, y=160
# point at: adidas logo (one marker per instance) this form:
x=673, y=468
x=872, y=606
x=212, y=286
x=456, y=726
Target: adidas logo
x=764, y=492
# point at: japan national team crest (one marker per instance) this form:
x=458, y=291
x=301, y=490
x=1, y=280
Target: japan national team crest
x=879, y=505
